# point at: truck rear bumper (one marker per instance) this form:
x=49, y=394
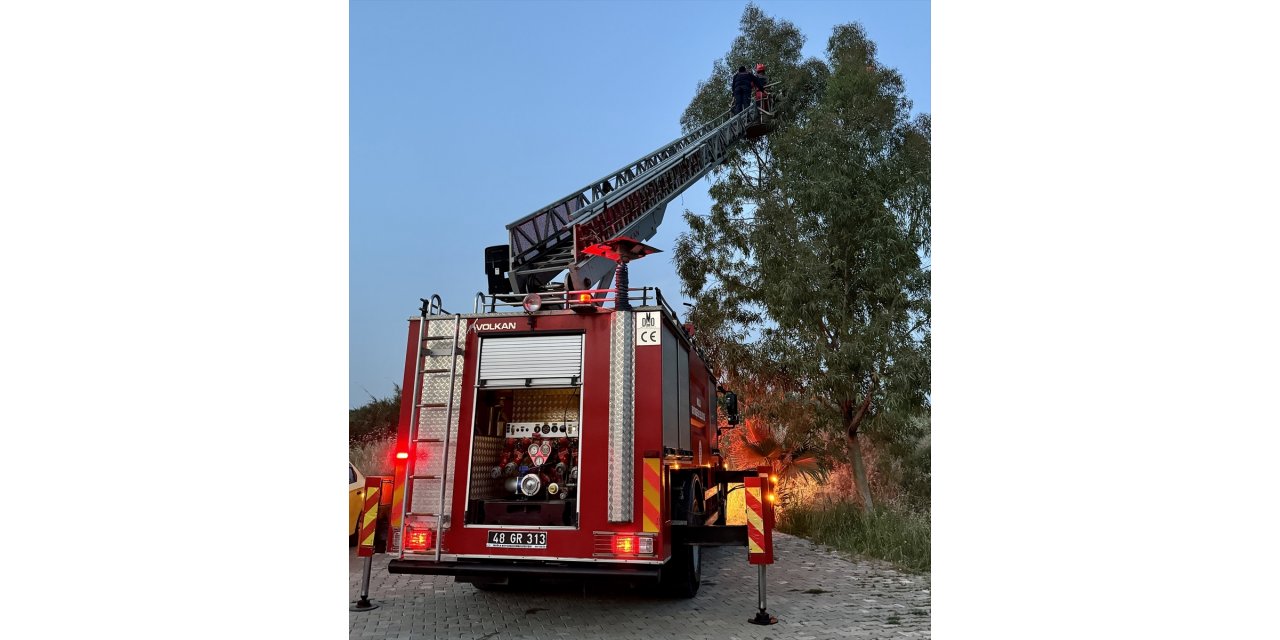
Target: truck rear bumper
x=499, y=569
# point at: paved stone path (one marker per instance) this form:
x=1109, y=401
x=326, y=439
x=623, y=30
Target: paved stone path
x=815, y=593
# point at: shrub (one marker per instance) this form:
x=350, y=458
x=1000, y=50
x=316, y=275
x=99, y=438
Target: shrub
x=374, y=420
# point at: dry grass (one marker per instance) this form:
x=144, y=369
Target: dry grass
x=374, y=457
x=891, y=532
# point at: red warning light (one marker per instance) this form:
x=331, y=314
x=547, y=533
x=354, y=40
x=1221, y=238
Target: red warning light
x=624, y=545
x=419, y=539
x=403, y=455
x=584, y=297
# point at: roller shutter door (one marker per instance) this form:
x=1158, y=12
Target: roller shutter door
x=538, y=361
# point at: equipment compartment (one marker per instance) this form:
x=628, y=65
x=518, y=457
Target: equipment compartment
x=524, y=462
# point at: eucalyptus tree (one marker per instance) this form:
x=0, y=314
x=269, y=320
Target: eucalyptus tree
x=808, y=273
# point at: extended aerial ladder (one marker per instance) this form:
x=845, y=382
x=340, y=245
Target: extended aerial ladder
x=629, y=202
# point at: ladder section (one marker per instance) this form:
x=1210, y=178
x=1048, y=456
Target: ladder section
x=630, y=201
x=432, y=467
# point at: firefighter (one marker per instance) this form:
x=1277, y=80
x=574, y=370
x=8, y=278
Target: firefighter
x=761, y=83
x=743, y=81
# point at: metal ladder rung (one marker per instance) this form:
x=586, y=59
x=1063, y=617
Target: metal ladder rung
x=425, y=477
x=457, y=351
x=433, y=405
x=545, y=269
x=437, y=440
x=435, y=371
x=437, y=337
x=429, y=515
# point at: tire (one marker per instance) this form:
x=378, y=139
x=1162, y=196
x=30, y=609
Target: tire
x=696, y=504
x=682, y=576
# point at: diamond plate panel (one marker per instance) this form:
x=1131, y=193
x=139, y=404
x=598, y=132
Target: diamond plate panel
x=545, y=405
x=431, y=423
x=488, y=450
x=440, y=327
x=435, y=387
x=621, y=433
x=426, y=496
x=428, y=458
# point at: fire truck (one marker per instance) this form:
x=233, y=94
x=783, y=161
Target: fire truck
x=568, y=426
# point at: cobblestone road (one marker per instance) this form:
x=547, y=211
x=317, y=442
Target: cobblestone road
x=813, y=591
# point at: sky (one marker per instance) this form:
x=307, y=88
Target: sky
x=465, y=116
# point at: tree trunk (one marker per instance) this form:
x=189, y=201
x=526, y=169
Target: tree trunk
x=860, y=472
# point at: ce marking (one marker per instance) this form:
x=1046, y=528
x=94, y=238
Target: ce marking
x=648, y=329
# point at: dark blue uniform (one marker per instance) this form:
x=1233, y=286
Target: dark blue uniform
x=743, y=82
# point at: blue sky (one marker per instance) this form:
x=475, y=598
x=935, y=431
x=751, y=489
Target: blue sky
x=468, y=115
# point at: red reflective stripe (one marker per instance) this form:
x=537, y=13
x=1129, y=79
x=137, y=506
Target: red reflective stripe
x=372, y=485
x=753, y=503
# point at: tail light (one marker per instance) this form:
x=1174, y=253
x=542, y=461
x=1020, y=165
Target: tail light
x=624, y=544
x=419, y=539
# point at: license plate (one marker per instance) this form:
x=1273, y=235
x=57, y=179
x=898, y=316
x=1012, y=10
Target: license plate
x=518, y=539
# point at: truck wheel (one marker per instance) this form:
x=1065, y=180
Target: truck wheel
x=683, y=574
x=696, y=505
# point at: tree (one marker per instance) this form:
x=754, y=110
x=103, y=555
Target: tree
x=808, y=272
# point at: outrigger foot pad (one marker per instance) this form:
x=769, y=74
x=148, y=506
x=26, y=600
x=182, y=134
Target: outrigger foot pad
x=363, y=604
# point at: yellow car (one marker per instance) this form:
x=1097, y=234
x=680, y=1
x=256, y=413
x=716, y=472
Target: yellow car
x=355, y=489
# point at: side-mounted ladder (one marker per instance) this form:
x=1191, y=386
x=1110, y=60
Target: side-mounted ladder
x=437, y=395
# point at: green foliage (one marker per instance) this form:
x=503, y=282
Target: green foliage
x=905, y=460
x=811, y=294
x=375, y=419
x=893, y=533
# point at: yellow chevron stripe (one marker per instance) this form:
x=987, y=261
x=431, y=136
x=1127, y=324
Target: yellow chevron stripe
x=754, y=522
x=367, y=528
x=652, y=497
x=397, y=500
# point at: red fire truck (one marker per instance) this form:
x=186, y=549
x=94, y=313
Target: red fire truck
x=568, y=428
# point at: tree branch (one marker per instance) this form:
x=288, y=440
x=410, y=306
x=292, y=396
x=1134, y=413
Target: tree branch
x=851, y=427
